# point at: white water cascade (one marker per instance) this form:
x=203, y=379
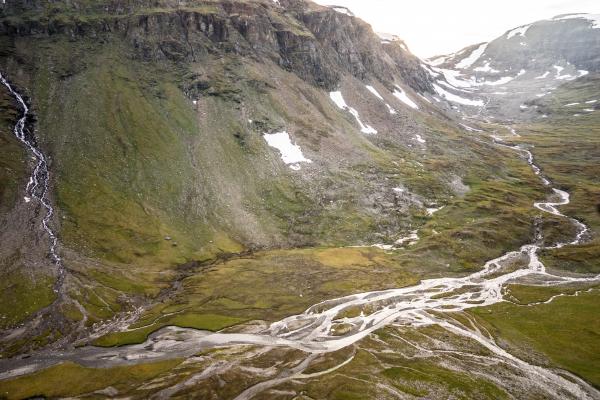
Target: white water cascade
x=38, y=185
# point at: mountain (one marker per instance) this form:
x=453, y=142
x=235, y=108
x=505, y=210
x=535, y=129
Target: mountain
x=526, y=63
x=279, y=173
x=570, y=39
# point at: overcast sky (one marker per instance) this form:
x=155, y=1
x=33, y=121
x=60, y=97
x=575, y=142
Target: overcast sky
x=432, y=27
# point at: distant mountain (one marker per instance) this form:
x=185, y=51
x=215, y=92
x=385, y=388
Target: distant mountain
x=526, y=63
x=571, y=41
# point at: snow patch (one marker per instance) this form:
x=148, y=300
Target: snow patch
x=420, y=139
x=470, y=129
x=502, y=81
x=544, y=76
x=452, y=77
x=457, y=99
x=374, y=91
x=559, y=70
x=433, y=210
x=411, y=239
x=388, y=36
x=291, y=154
x=403, y=97
x=342, y=10
x=474, y=56
x=438, y=61
x=376, y=94
x=338, y=99
x=520, y=31
x=486, y=68
x=430, y=71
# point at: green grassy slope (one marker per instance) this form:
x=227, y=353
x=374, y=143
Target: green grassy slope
x=566, y=331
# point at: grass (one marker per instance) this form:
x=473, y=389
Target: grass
x=50, y=383
x=134, y=161
x=22, y=291
x=581, y=259
x=268, y=286
x=22, y=295
x=423, y=377
x=565, y=330
x=567, y=149
x=210, y=322
x=523, y=294
x=379, y=369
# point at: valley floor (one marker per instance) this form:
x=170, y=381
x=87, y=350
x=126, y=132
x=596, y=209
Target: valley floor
x=511, y=329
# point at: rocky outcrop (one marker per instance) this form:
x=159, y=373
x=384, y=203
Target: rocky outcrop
x=317, y=43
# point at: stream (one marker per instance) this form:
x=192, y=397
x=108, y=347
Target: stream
x=37, y=188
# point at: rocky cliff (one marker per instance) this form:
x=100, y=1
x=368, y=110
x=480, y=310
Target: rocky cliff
x=317, y=43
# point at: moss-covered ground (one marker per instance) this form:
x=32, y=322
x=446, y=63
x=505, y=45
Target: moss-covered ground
x=565, y=331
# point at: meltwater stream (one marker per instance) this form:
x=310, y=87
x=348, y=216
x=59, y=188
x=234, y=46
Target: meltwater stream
x=37, y=188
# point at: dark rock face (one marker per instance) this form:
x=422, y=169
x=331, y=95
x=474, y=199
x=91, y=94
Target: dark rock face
x=317, y=43
x=354, y=45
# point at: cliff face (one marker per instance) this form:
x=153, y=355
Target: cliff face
x=317, y=43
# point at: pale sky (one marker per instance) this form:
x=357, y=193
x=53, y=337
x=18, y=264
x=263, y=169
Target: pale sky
x=433, y=27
